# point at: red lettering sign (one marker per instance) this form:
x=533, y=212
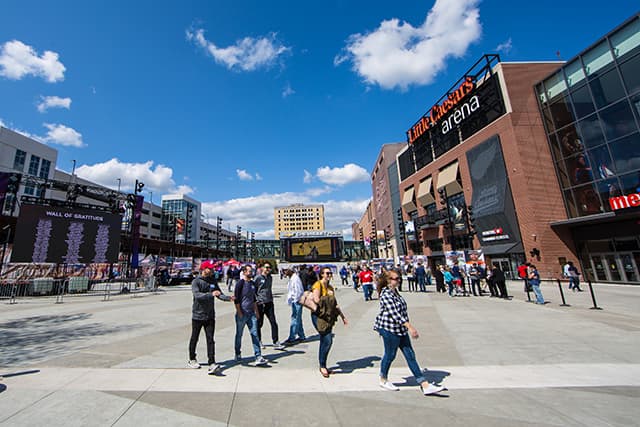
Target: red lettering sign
x=623, y=202
x=438, y=111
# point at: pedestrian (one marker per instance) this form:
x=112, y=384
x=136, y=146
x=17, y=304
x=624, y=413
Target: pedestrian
x=411, y=278
x=448, y=279
x=344, y=274
x=421, y=277
x=572, y=273
x=203, y=315
x=523, y=273
x=366, y=280
x=392, y=323
x=322, y=290
x=439, y=279
x=294, y=292
x=474, y=277
x=247, y=314
x=534, y=282
x=499, y=280
x=264, y=298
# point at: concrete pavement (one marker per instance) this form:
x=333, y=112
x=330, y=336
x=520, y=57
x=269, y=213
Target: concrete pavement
x=506, y=363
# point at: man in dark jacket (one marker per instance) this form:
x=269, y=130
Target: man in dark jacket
x=264, y=298
x=203, y=315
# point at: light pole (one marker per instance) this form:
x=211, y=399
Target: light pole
x=119, y=182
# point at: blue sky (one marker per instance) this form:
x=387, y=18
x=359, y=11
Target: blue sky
x=247, y=105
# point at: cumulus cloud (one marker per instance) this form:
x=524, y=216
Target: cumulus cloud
x=348, y=174
x=47, y=102
x=18, y=60
x=256, y=213
x=156, y=178
x=247, y=54
x=246, y=176
x=396, y=54
x=505, y=47
x=63, y=135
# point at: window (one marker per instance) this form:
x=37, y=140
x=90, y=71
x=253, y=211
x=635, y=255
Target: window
x=45, y=167
x=607, y=189
x=607, y=88
x=565, y=182
x=618, y=120
x=19, y=160
x=34, y=165
x=587, y=200
x=601, y=163
x=626, y=39
x=597, y=58
x=574, y=72
x=591, y=131
x=555, y=85
x=571, y=204
x=626, y=153
x=570, y=143
x=630, y=71
x=579, y=169
x=582, y=101
x=561, y=112
x=630, y=183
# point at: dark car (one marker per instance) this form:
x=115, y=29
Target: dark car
x=181, y=277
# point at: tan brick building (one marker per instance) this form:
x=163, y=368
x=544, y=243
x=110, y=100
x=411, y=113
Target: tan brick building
x=298, y=217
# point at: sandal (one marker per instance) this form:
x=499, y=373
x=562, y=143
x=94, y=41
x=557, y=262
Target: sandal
x=325, y=372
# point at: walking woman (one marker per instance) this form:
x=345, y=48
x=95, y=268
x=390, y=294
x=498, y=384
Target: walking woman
x=392, y=323
x=325, y=316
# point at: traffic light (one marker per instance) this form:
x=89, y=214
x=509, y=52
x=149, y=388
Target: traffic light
x=443, y=196
x=238, y=232
x=14, y=183
x=253, y=236
x=138, y=187
x=218, y=225
x=471, y=221
x=72, y=193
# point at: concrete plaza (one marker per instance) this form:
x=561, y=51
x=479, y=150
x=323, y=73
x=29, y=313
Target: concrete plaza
x=89, y=362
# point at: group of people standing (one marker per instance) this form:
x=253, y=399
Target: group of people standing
x=253, y=299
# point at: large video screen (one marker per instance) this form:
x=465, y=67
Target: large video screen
x=66, y=236
x=309, y=250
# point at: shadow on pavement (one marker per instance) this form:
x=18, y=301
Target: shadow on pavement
x=434, y=377
x=348, y=366
x=37, y=337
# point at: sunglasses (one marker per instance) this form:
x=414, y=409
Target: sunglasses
x=394, y=278
x=328, y=273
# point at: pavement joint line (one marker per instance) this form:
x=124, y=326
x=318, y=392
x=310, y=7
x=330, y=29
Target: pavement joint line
x=233, y=398
x=142, y=393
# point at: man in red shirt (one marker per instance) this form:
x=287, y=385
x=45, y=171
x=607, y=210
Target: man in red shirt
x=366, y=280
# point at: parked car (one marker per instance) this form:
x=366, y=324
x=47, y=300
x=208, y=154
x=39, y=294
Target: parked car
x=181, y=277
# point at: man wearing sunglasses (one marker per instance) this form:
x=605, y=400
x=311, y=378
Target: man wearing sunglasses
x=264, y=297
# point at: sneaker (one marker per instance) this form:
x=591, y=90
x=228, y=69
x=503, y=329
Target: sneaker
x=389, y=386
x=263, y=346
x=238, y=357
x=278, y=346
x=260, y=361
x=288, y=343
x=432, y=389
x=193, y=364
x=213, y=369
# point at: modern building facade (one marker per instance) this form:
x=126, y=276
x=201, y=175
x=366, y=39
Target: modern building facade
x=363, y=229
x=591, y=110
x=298, y=217
x=482, y=149
x=180, y=218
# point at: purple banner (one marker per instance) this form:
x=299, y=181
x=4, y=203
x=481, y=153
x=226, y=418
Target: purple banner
x=4, y=182
x=135, y=232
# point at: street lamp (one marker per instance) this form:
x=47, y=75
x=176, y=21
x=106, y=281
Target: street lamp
x=119, y=182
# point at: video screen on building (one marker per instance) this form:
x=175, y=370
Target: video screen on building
x=312, y=249
x=47, y=234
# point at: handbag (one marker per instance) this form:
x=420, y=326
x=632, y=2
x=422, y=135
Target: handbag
x=306, y=300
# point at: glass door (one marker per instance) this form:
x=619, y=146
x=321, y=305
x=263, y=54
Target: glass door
x=611, y=263
x=505, y=266
x=616, y=267
x=599, y=268
x=629, y=267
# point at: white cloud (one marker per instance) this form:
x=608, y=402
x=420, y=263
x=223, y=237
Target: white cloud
x=47, y=102
x=308, y=177
x=18, y=60
x=63, y=135
x=348, y=174
x=258, y=177
x=396, y=54
x=244, y=175
x=287, y=91
x=156, y=178
x=256, y=213
x=247, y=54
x=505, y=47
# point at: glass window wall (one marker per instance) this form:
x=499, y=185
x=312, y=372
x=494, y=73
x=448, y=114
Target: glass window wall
x=597, y=58
x=582, y=101
x=626, y=39
x=618, y=120
x=630, y=71
x=607, y=88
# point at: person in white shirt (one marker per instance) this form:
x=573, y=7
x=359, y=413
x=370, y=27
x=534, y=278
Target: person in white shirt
x=294, y=292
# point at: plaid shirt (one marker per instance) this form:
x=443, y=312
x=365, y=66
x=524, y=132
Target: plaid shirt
x=393, y=313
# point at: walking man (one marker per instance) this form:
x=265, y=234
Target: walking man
x=294, y=292
x=203, y=315
x=366, y=280
x=247, y=315
x=421, y=277
x=264, y=298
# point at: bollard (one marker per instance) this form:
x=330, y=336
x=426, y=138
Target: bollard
x=107, y=292
x=60, y=296
x=564, y=303
x=14, y=291
x=593, y=298
x=527, y=290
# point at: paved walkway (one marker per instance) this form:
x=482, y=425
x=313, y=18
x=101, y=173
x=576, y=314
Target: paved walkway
x=506, y=363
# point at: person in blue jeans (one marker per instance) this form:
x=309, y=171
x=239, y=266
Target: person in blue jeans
x=421, y=277
x=534, y=282
x=247, y=314
x=392, y=323
x=323, y=288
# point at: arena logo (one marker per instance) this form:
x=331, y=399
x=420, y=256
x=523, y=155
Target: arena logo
x=460, y=114
x=437, y=112
x=624, y=202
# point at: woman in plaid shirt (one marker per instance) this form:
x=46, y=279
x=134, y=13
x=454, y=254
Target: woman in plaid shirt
x=392, y=323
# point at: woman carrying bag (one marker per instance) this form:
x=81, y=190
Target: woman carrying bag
x=392, y=323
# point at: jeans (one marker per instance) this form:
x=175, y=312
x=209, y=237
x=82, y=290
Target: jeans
x=391, y=344
x=268, y=310
x=574, y=283
x=421, y=283
x=326, y=341
x=209, y=328
x=368, y=291
x=251, y=321
x=296, y=322
x=536, y=290
x=475, y=283
x=451, y=288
